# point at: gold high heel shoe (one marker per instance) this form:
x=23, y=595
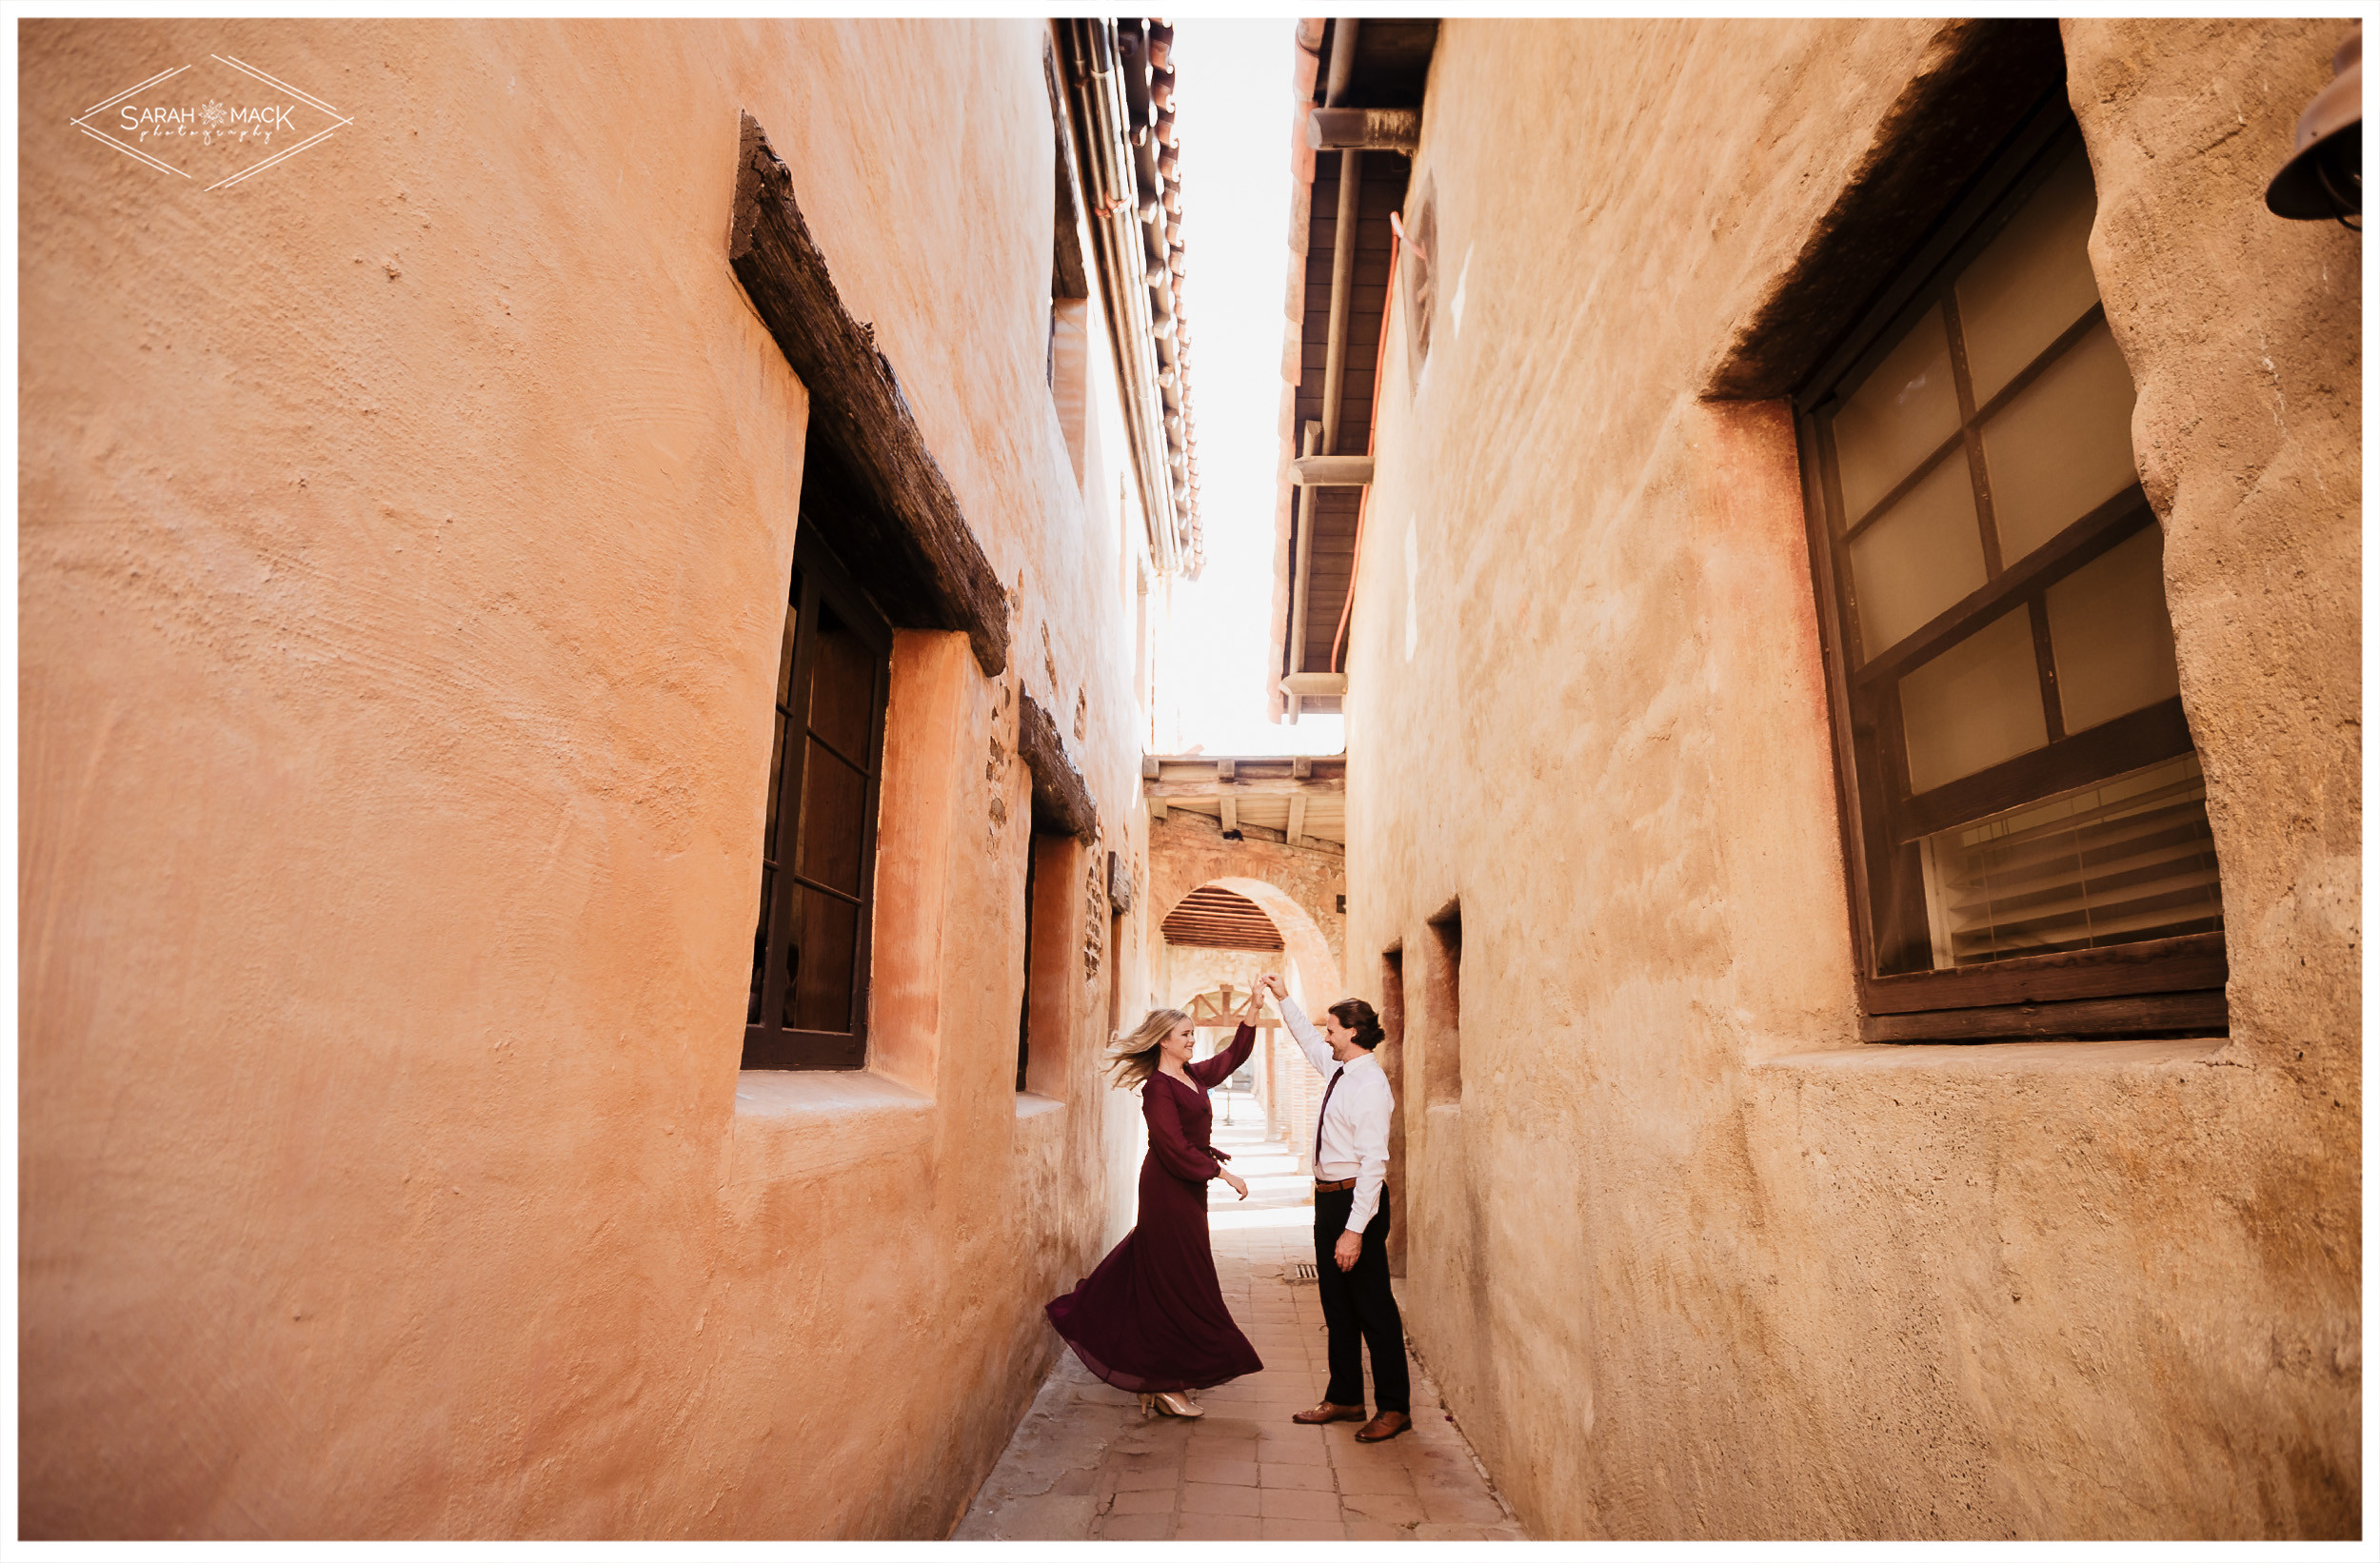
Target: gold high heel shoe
x=1170, y=1403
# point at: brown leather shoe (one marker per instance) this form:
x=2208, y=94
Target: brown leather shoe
x=1328, y=1412
x=1385, y=1426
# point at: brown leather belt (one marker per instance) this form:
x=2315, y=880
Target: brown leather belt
x=1321, y=1187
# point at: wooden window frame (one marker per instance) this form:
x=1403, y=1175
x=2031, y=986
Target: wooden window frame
x=2153, y=986
x=820, y=581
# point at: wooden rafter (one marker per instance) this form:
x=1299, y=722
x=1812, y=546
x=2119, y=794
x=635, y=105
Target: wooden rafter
x=1214, y=917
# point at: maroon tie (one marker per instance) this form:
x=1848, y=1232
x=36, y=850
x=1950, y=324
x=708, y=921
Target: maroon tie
x=1318, y=1116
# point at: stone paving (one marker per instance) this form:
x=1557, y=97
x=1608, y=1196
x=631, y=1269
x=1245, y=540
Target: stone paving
x=1085, y=1465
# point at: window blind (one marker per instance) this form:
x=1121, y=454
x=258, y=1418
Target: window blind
x=2127, y=859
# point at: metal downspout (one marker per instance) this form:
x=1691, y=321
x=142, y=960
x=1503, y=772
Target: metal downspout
x=1115, y=212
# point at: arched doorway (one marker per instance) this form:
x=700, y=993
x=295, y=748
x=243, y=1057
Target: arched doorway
x=1220, y=935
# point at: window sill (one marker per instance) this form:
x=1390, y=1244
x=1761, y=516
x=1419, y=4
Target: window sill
x=795, y=1125
x=1030, y=1105
x=1971, y=1059
x=822, y=1093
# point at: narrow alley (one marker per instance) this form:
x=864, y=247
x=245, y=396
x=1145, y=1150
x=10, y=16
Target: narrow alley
x=1085, y=1465
x=667, y=668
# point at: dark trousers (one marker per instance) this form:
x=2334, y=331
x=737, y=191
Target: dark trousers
x=1359, y=1308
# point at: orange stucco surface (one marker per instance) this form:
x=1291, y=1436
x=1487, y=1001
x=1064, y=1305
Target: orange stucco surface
x=404, y=538
x=1686, y=1258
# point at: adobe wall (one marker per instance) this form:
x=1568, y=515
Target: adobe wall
x=404, y=538
x=1686, y=1258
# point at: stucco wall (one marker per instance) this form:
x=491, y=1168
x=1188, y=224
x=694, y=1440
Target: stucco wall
x=1686, y=1258
x=404, y=550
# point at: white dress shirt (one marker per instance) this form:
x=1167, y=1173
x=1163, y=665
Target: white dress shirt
x=1355, y=1120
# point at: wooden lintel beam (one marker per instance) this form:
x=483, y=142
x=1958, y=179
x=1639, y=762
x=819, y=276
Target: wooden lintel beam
x=1254, y=787
x=1061, y=797
x=932, y=573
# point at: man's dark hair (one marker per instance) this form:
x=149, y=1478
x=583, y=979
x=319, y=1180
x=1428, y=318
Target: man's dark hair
x=1358, y=1017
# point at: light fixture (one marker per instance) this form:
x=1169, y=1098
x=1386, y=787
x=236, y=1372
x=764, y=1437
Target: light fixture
x=2325, y=178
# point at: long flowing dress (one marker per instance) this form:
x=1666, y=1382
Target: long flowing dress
x=1151, y=1316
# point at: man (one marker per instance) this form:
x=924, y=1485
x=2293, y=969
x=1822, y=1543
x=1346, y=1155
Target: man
x=1351, y=1217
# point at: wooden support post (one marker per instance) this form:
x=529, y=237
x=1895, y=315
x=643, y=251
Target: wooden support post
x=1230, y=812
x=1297, y=818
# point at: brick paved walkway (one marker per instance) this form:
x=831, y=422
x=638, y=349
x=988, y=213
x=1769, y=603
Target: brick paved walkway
x=1083, y=1465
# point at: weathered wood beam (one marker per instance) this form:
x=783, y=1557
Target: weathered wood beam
x=1296, y=818
x=1061, y=797
x=1231, y=811
x=914, y=549
x=1256, y=786
x=1372, y=129
x=1331, y=471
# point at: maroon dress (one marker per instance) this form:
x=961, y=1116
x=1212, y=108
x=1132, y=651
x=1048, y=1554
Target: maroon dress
x=1151, y=1316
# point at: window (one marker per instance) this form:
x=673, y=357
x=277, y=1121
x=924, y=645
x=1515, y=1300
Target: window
x=1442, y=1056
x=1066, y=363
x=2027, y=822
x=1118, y=900
x=1024, y=998
x=1044, y=1008
x=808, y=1004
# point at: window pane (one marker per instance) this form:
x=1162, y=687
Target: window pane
x=777, y=749
x=2062, y=446
x=819, y=963
x=1924, y=555
x=834, y=820
x=1900, y=414
x=760, y=949
x=2107, y=627
x=842, y=688
x=775, y=786
x=2033, y=282
x=1974, y=706
x=784, y=654
x=2123, y=860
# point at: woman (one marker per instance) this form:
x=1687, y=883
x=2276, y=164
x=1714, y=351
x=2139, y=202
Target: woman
x=1151, y=1320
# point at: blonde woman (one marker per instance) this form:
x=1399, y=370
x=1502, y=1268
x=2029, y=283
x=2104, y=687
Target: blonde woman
x=1151, y=1320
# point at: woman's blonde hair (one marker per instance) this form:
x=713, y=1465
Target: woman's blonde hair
x=1132, y=1057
